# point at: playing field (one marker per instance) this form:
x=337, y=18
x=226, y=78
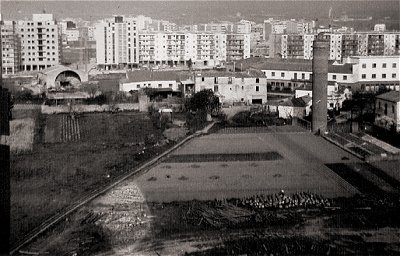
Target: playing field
x=237, y=165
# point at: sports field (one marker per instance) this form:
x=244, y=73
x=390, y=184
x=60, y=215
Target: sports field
x=244, y=164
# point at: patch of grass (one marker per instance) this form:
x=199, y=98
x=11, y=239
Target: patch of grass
x=21, y=135
x=52, y=176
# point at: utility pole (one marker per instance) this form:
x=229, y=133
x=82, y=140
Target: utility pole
x=4, y=161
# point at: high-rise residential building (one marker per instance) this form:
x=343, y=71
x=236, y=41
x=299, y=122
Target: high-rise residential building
x=243, y=27
x=342, y=45
x=117, y=42
x=40, y=42
x=11, y=48
x=176, y=48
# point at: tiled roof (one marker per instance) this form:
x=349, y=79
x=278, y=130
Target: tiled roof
x=289, y=65
x=249, y=73
x=148, y=75
x=393, y=96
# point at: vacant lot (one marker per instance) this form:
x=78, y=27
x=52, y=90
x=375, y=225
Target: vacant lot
x=56, y=174
x=299, y=165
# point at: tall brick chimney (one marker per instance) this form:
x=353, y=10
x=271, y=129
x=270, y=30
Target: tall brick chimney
x=320, y=83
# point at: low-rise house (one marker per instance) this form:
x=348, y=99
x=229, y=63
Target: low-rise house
x=336, y=95
x=294, y=107
x=247, y=87
x=165, y=82
x=387, y=111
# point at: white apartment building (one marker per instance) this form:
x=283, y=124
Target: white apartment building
x=91, y=33
x=117, y=43
x=342, y=45
x=10, y=44
x=203, y=49
x=373, y=72
x=40, y=42
x=380, y=27
x=72, y=34
x=360, y=73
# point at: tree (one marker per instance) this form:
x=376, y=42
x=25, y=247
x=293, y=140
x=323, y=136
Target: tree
x=204, y=100
x=190, y=64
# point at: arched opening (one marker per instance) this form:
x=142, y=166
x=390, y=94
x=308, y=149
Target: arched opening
x=68, y=79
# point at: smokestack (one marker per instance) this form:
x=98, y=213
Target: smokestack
x=320, y=83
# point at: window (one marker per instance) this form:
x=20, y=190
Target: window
x=303, y=76
x=385, y=111
x=383, y=75
x=383, y=65
x=170, y=85
x=364, y=76
x=215, y=88
x=282, y=74
x=159, y=85
x=393, y=75
x=373, y=75
x=344, y=78
x=334, y=77
x=229, y=80
x=373, y=65
x=364, y=65
x=257, y=81
x=202, y=79
x=295, y=75
x=215, y=80
x=394, y=65
x=257, y=88
x=138, y=86
x=272, y=73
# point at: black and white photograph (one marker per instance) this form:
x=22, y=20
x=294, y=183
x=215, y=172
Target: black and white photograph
x=199, y=127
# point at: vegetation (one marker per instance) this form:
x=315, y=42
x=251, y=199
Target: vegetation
x=109, y=145
x=204, y=100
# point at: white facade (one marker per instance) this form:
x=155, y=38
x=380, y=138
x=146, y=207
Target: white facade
x=380, y=27
x=135, y=86
x=116, y=42
x=176, y=48
x=11, y=60
x=233, y=89
x=39, y=42
x=375, y=70
x=72, y=34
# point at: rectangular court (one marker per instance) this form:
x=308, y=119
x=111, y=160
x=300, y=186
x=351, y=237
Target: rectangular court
x=244, y=164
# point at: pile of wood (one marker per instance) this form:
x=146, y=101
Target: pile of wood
x=280, y=200
x=223, y=216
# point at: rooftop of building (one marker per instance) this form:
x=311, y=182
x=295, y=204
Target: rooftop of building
x=151, y=75
x=247, y=74
x=290, y=65
x=392, y=96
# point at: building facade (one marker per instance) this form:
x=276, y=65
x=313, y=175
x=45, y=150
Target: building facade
x=40, y=42
x=11, y=48
x=342, y=45
x=117, y=43
x=230, y=87
x=387, y=111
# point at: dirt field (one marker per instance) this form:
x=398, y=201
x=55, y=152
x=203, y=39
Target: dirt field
x=56, y=174
x=124, y=221
x=301, y=167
